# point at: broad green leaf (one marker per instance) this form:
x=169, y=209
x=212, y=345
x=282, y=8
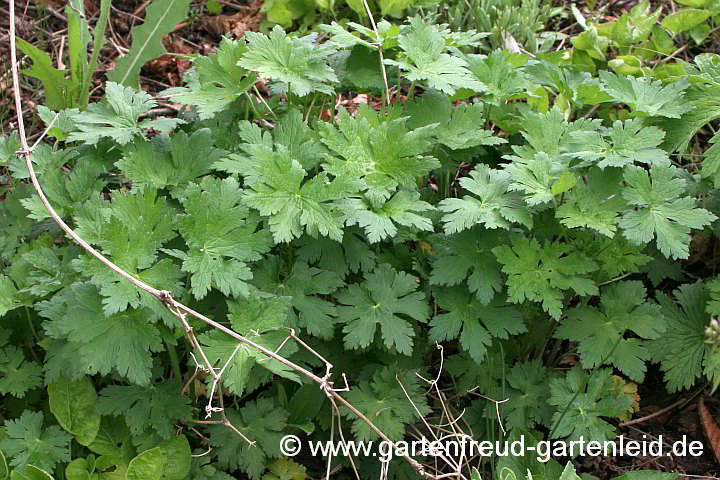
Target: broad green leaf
x=31, y=472
x=503, y=80
x=157, y=407
x=542, y=273
x=73, y=404
x=661, y=213
x=682, y=352
x=581, y=399
x=161, y=16
x=80, y=468
x=149, y=465
x=380, y=150
x=218, y=80
x=222, y=237
x=117, y=116
x=468, y=255
x=56, y=86
x=472, y=322
x=382, y=398
x=123, y=342
x=405, y=208
x=425, y=60
x=601, y=332
x=169, y=161
x=648, y=97
x=261, y=319
x=493, y=205
x=294, y=64
x=285, y=469
x=178, y=458
x=386, y=299
x=685, y=19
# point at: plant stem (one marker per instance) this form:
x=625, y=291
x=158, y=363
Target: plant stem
x=32, y=325
x=174, y=362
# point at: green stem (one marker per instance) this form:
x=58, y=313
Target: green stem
x=615, y=279
x=411, y=92
x=98, y=42
x=174, y=362
x=32, y=325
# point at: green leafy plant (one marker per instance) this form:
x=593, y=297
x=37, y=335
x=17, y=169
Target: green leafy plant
x=291, y=268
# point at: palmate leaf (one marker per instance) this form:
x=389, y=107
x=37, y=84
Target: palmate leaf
x=116, y=117
x=404, y=208
x=648, y=97
x=661, y=212
x=354, y=254
x=157, y=406
x=625, y=143
x=290, y=134
x=596, y=203
x=295, y=64
x=468, y=255
x=203, y=468
x=424, y=46
x=260, y=421
x=598, y=397
x=601, y=332
x=549, y=133
x=278, y=191
x=455, y=127
x=386, y=299
x=527, y=399
x=542, y=273
x=7, y=295
x=503, y=80
x=17, y=374
x=222, y=237
x=472, y=322
x=130, y=229
x=260, y=319
x=493, y=205
x=169, y=161
x=681, y=350
x=217, y=80
x=379, y=149
x=50, y=270
x=67, y=190
x=306, y=285
x=285, y=469
x=97, y=343
x=161, y=16
x=26, y=442
x=382, y=398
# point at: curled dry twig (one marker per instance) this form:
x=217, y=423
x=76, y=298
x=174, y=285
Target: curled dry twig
x=177, y=308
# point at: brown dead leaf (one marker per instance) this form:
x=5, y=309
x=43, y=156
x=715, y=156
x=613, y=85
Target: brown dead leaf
x=712, y=432
x=172, y=67
x=246, y=20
